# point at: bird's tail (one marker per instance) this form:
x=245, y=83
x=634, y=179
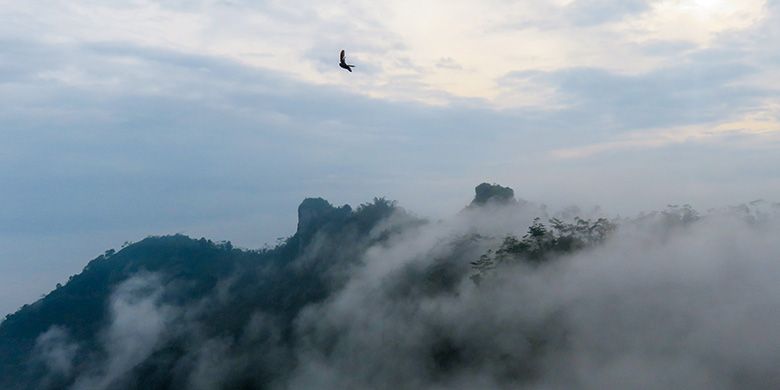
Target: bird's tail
x=351, y=66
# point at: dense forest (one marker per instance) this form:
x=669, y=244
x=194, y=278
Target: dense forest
x=505, y=294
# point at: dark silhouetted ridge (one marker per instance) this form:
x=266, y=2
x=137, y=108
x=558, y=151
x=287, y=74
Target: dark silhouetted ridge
x=492, y=193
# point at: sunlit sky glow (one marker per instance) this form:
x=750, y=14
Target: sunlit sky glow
x=123, y=119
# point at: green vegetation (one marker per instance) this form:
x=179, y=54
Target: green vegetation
x=542, y=243
x=487, y=193
x=270, y=281
x=248, y=302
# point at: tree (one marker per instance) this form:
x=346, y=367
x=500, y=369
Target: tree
x=540, y=244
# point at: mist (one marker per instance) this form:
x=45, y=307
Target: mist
x=670, y=299
x=656, y=306
x=153, y=156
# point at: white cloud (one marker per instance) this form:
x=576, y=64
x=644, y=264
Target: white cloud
x=759, y=128
x=698, y=21
x=400, y=42
x=121, y=119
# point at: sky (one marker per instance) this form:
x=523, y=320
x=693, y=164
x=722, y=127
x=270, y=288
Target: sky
x=120, y=120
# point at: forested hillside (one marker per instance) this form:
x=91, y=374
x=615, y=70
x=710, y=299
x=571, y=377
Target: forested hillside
x=505, y=294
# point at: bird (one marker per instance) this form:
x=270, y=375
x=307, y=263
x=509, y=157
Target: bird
x=343, y=62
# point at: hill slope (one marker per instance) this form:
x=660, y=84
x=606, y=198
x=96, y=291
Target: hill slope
x=503, y=295
x=276, y=282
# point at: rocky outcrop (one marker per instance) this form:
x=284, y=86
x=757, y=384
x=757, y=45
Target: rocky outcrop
x=492, y=193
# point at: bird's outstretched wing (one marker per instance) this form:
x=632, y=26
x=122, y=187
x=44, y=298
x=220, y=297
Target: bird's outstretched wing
x=341, y=57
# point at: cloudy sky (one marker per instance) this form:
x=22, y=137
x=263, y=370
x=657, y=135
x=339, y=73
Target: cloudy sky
x=216, y=118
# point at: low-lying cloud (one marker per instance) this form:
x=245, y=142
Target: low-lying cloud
x=672, y=299
x=656, y=306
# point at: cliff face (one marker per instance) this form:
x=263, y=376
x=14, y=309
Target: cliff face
x=314, y=213
x=492, y=193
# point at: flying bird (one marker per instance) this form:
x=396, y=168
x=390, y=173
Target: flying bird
x=343, y=63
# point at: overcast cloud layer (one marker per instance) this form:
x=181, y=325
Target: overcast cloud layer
x=119, y=120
